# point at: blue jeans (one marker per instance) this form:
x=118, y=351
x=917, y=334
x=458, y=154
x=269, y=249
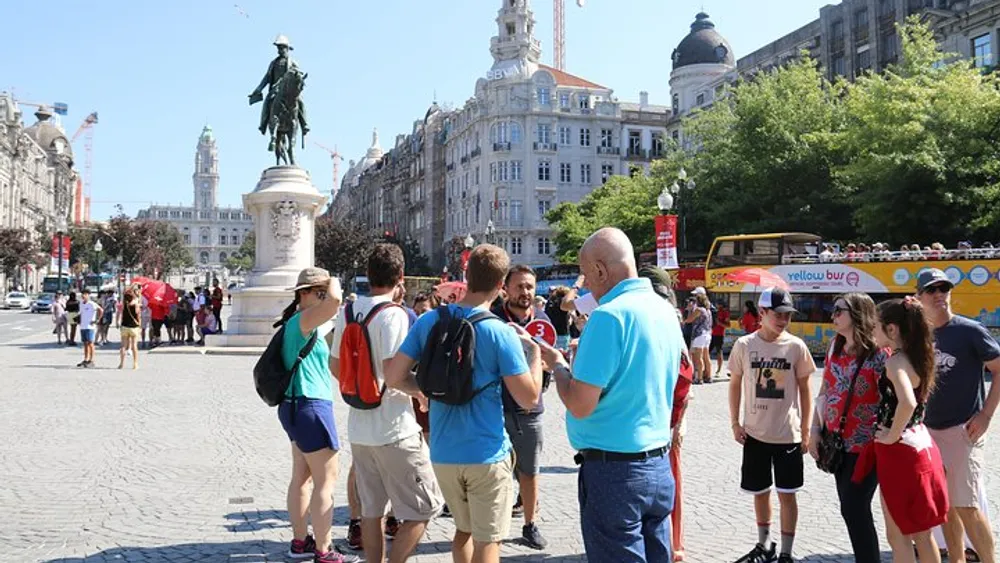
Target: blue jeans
x=625, y=508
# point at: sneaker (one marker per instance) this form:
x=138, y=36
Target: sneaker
x=354, y=535
x=391, y=527
x=302, y=549
x=785, y=558
x=334, y=556
x=759, y=555
x=518, y=509
x=532, y=537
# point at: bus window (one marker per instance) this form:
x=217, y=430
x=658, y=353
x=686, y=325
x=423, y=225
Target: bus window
x=813, y=307
x=725, y=255
x=761, y=251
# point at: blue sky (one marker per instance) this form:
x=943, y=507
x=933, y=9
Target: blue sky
x=157, y=72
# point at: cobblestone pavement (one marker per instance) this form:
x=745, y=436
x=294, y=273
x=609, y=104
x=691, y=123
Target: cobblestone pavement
x=181, y=461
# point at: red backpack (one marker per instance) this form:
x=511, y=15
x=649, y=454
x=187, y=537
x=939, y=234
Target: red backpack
x=359, y=384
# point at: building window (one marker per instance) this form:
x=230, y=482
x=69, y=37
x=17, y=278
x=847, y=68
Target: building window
x=498, y=133
x=204, y=257
x=657, y=144
x=204, y=237
x=544, y=133
x=543, y=97
x=634, y=142
x=493, y=172
x=585, y=174
x=515, y=170
x=862, y=62
x=982, y=51
x=187, y=238
x=223, y=239
x=584, y=137
x=700, y=99
x=676, y=136
x=502, y=172
x=676, y=101
x=222, y=257
x=607, y=170
x=564, y=99
x=477, y=178
x=565, y=172
x=515, y=246
x=544, y=206
x=175, y=214
x=544, y=170
x=861, y=26
x=606, y=138
x=564, y=135
x=838, y=66
x=584, y=101
x=544, y=246
x=236, y=240
x=516, y=212
x=162, y=214
x=515, y=133
x=890, y=49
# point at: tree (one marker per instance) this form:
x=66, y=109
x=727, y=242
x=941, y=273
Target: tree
x=17, y=249
x=125, y=240
x=163, y=250
x=342, y=247
x=243, y=259
x=417, y=264
x=923, y=140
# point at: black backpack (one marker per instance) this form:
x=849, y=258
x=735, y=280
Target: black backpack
x=270, y=376
x=445, y=370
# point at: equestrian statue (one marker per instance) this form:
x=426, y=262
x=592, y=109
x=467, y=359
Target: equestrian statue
x=283, y=110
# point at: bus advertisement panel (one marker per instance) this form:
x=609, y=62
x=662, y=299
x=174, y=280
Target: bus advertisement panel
x=814, y=287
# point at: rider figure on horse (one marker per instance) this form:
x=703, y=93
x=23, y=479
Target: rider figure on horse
x=275, y=71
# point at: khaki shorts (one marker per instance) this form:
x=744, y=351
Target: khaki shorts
x=134, y=332
x=963, y=465
x=400, y=472
x=480, y=497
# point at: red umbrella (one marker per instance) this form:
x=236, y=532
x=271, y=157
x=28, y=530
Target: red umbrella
x=757, y=276
x=157, y=291
x=451, y=292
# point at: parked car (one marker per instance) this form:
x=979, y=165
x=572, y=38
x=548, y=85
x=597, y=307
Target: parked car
x=43, y=303
x=17, y=300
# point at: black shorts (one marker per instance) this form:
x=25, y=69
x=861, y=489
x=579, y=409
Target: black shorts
x=758, y=459
x=716, y=344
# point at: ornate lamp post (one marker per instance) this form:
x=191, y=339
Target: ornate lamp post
x=469, y=241
x=675, y=190
x=98, y=247
x=61, y=229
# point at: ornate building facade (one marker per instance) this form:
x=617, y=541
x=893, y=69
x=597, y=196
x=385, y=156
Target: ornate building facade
x=210, y=232
x=37, y=179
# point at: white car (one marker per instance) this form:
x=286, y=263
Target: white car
x=16, y=300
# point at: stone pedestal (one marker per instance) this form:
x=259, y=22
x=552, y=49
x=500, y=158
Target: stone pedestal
x=284, y=206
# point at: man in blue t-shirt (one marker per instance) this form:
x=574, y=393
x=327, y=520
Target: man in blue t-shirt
x=619, y=397
x=470, y=449
x=959, y=412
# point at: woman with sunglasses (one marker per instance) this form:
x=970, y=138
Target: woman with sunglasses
x=853, y=356
x=306, y=414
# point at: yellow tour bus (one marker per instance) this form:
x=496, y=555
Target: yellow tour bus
x=817, y=273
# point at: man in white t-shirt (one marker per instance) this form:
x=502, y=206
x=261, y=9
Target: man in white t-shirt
x=89, y=313
x=391, y=460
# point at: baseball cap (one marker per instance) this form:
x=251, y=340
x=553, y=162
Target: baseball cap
x=698, y=291
x=777, y=300
x=656, y=276
x=931, y=276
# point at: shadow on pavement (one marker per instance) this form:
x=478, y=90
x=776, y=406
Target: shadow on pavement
x=250, y=551
x=837, y=557
x=558, y=470
x=256, y=520
x=53, y=345
x=533, y=558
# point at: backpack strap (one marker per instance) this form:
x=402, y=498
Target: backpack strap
x=444, y=313
x=349, y=314
x=295, y=367
x=481, y=316
x=378, y=309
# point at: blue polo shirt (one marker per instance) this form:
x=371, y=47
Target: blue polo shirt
x=631, y=349
x=472, y=433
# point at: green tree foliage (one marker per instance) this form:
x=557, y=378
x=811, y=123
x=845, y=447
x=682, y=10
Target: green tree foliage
x=342, y=247
x=163, y=250
x=909, y=155
x=243, y=259
x=417, y=264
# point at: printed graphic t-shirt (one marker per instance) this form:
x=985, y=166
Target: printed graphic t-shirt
x=961, y=348
x=771, y=372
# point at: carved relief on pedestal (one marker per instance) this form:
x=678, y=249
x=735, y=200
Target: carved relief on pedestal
x=286, y=221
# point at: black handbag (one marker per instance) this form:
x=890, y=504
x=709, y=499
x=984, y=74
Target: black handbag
x=831, y=444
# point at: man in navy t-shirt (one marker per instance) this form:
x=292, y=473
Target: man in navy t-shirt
x=470, y=449
x=959, y=411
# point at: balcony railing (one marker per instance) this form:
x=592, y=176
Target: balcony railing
x=638, y=153
x=498, y=147
x=451, y=166
x=476, y=152
x=608, y=150
x=547, y=147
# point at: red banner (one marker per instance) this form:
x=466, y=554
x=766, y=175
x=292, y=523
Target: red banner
x=666, y=241
x=54, y=262
x=465, y=259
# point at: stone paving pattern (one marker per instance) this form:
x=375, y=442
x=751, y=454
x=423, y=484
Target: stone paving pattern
x=181, y=461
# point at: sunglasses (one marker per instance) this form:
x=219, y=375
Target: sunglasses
x=938, y=288
x=838, y=310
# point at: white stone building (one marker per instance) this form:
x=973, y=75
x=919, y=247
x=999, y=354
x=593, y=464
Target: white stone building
x=212, y=233
x=531, y=138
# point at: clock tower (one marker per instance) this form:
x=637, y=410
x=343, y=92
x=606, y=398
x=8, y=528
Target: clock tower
x=206, y=171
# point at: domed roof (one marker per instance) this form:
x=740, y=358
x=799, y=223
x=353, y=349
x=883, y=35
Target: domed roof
x=703, y=45
x=47, y=134
x=206, y=134
x=431, y=111
x=373, y=155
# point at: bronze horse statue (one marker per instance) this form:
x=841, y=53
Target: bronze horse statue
x=286, y=115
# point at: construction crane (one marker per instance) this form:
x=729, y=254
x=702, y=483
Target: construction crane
x=336, y=158
x=559, y=32
x=86, y=128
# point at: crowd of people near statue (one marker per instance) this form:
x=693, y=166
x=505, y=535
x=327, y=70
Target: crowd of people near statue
x=445, y=411
x=80, y=317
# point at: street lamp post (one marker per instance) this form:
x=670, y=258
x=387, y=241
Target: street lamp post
x=98, y=247
x=61, y=228
x=675, y=190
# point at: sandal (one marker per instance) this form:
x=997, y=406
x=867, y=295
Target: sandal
x=971, y=556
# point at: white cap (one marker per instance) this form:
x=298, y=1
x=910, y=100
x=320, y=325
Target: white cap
x=699, y=291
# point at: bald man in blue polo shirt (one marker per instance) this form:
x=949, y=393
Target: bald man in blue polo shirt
x=618, y=398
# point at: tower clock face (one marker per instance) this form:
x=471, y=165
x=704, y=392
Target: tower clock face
x=204, y=184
